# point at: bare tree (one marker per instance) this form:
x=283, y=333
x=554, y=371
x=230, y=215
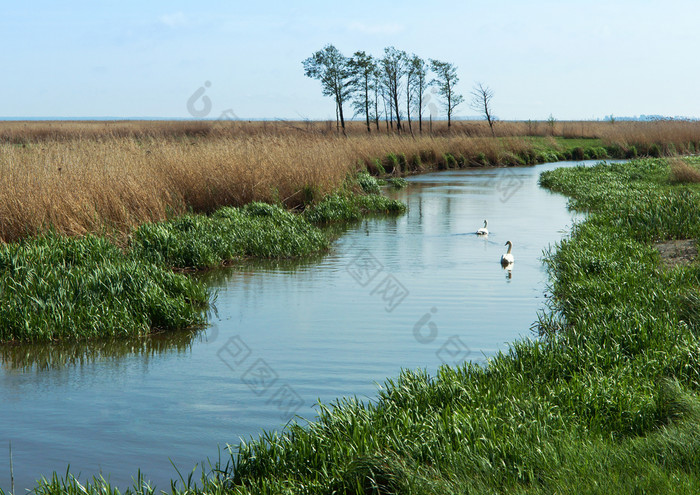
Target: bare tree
x=445, y=81
x=331, y=68
x=481, y=102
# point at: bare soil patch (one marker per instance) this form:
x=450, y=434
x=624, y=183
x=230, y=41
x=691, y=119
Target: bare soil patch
x=678, y=252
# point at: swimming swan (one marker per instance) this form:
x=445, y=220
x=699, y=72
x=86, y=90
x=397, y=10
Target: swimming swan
x=507, y=259
x=483, y=230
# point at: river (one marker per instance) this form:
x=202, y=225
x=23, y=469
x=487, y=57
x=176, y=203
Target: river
x=414, y=291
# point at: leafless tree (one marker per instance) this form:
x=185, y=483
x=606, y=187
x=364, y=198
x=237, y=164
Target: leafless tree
x=481, y=102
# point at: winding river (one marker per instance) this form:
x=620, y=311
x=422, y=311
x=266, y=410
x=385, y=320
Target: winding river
x=410, y=292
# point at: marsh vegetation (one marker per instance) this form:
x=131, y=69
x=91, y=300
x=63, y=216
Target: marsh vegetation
x=604, y=400
x=95, y=217
x=107, y=178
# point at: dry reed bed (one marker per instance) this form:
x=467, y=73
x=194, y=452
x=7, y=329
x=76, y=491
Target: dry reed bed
x=107, y=177
x=661, y=131
x=113, y=184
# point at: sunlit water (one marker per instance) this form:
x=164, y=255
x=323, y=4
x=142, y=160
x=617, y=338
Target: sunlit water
x=401, y=293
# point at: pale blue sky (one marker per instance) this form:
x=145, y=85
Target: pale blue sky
x=574, y=60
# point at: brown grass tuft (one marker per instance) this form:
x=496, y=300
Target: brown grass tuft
x=683, y=172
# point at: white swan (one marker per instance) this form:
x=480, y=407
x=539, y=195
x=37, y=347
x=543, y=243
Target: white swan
x=483, y=230
x=507, y=259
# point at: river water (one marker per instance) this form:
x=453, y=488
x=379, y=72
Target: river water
x=416, y=291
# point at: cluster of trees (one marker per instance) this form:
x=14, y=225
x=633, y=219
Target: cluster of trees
x=393, y=87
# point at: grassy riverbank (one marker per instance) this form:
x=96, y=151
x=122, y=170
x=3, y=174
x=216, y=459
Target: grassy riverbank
x=57, y=287
x=604, y=402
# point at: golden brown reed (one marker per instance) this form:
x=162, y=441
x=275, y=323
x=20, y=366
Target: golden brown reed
x=661, y=131
x=79, y=177
x=113, y=184
x=683, y=172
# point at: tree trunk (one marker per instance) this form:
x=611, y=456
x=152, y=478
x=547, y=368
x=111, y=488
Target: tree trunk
x=396, y=106
x=369, y=129
x=337, y=119
x=408, y=107
x=420, y=109
x=342, y=120
x=376, y=111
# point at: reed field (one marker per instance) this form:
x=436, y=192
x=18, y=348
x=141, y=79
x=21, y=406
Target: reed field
x=109, y=177
x=55, y=287
x=604, y=400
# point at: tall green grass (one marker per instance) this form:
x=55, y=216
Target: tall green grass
x=610, y=385
x=199, y=241
x=55, y=287
x=603, y=400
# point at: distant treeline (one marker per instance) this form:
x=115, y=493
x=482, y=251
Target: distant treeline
x=392, y=88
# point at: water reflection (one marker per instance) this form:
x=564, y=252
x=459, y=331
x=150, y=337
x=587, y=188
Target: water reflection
x=42, y=356
x=322, y=331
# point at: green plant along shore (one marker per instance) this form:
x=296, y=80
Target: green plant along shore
x=55, y=287
x=605, y=401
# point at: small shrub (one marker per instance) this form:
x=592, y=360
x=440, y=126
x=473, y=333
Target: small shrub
x=258, y=209
x=339, y=207
x=368, y=183
x=614, y=151
x=309, y=194
x=403, y=163
x=511, y=159
x=596, y=153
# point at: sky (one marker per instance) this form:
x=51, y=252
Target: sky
x=566, y=59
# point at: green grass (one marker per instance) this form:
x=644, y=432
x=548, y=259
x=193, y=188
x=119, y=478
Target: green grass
x=256, y=230
x=55, y=287
x=604, y=401
x=343, y=207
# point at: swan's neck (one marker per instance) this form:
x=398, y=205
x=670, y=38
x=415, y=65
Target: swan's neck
x=510, y=246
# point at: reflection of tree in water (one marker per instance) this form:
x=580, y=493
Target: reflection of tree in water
x=28, y=357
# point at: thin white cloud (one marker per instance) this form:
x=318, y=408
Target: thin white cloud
x=388, y=28
x=178, y=19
